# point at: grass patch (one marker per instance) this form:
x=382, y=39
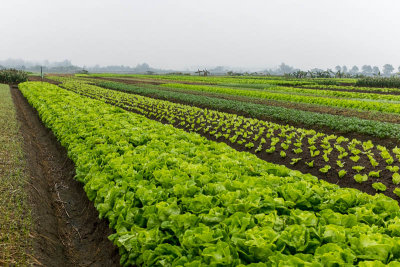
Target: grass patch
x=15, y=215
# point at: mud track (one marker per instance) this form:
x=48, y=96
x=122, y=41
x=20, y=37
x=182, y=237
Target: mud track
x=66, y=228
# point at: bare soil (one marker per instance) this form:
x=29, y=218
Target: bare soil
x=66, y=228
x=39, y=79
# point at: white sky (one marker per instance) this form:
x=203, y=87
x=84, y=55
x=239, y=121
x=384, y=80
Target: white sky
x=182, y=33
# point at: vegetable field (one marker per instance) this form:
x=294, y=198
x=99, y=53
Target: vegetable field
x=233, y=171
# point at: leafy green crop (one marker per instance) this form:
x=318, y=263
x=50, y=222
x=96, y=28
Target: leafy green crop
x=177, y=199
x=396, y=178
x=360, y=178
x=342, y=173
x=385, y=105
x=263, y=136
x=379, y=187
x=335, y=122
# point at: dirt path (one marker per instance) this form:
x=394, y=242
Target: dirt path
x=66, y=228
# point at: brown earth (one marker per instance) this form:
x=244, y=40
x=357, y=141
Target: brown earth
x=66, y=228
x=39, y=79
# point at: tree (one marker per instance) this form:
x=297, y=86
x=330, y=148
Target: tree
x=387, y=69
x=283, y=68
x=366, y=70
x=376, y=71
x=354, y=70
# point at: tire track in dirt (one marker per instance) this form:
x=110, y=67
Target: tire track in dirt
x=66, y=228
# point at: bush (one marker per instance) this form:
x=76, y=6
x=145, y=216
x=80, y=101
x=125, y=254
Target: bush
x=13, y=76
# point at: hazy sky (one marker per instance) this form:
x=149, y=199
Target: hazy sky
x=184, y=33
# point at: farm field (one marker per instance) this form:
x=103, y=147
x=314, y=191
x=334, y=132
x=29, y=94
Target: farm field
x=194, y=134
x=221, y=171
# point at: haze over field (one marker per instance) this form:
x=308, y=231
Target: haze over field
x=177, y=34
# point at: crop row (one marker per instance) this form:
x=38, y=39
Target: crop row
x=287, y=115
x=244, y=80
x=382, y=106
x=259, y=83
x=177, y=199
x=331, y=155
x=328, y=93
x=379, y=82
x=350, y=88
x=331, y=87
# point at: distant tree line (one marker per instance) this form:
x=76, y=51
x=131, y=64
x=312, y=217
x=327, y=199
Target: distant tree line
x=339, y=71
x=67, y=67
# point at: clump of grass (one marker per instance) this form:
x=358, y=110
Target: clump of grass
x=15, y=216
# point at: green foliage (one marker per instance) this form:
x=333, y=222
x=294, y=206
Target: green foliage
x=358, y=168
x=310, y=164
x=249, y=145
x=325, y=169
x=355, y=158
x=176, y=199
x=298, y=151
x=12, y=76
x=396, y=191
x=393, y=168
x=335, y=122
x=367, y=145
x=340, y=163
x=342, y=173
x=396, y=178
x=360, y=178
x=375, y=174
x=379, y=187
x=295, y=160
x=245, y=132
x=390, y=82
x=352, y=100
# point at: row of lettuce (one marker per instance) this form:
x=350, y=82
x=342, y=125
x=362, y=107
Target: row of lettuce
x=378, y=84
x=244, y=80
x=332, y=155
x=175, y=198
x=356, y=102
x=343, y=124
x=369, y=95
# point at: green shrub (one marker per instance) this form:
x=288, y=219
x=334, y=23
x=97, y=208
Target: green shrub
x=13, y=76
